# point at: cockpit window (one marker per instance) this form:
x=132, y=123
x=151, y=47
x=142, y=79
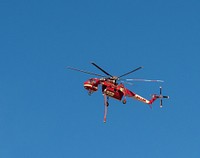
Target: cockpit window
x=92, y=81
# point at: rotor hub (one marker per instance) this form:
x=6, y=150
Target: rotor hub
x=115, y=78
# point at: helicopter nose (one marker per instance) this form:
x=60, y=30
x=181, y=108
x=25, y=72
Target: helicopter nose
x=89, y=86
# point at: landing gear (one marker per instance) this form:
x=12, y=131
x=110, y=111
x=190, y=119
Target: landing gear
x=90, y=93
x=124, y=101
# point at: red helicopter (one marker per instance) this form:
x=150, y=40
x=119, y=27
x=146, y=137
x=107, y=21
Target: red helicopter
x=112, y=86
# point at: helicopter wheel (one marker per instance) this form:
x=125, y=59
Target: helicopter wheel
x=124, y=101
x=89, y=93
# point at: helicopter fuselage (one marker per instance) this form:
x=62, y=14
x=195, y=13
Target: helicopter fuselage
x=109, y=88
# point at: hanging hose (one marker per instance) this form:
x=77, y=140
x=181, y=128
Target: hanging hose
x=105, y=108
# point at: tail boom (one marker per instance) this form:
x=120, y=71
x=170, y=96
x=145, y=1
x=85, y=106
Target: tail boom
x=139, y=98
x=146, y=101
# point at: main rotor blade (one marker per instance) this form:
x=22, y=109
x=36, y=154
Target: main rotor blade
x=143, y=80
x=87, y=72
x=130, y=72
x=101, y=69
x=125, y=82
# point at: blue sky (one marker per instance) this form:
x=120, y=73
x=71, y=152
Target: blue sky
x=45, y=111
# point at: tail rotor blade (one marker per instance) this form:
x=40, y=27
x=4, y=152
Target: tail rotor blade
x=161, y=104
x=160, y=90
x=166, y=97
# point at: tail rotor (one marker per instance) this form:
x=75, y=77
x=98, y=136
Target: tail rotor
x=161, y=97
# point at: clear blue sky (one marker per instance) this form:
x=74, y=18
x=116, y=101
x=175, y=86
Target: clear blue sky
x=45, y=111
